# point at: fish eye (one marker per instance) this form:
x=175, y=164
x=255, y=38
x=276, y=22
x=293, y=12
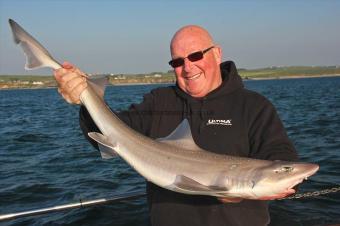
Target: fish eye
x=287, y=169
x=284, y=169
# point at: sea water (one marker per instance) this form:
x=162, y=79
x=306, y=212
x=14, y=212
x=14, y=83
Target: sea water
x=45, y=160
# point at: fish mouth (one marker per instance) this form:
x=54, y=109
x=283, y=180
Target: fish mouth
x=301, y=178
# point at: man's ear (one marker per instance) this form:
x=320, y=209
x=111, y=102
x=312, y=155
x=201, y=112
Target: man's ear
x=218, y=54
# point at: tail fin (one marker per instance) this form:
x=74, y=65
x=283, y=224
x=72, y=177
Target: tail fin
x=36, y=55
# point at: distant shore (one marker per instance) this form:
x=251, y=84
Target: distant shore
x=294, y=77
x=10, y=87
x=272, y=73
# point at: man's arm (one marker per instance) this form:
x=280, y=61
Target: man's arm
x=138, y=117
x=267, y=136
x=72, y=82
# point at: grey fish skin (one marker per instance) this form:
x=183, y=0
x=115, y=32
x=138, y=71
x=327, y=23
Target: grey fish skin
x=175, y=162
x=36, y=55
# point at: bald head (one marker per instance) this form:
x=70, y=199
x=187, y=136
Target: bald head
x=191, y=34
x=196, y=76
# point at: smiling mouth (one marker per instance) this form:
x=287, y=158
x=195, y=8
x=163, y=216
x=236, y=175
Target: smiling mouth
x=193, y=77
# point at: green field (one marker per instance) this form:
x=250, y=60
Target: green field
x=26, y=81
x=279, y=72
x=36, y=81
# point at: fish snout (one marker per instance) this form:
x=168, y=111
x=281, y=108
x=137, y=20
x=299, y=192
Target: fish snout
x=302, y=172
x=307, y=169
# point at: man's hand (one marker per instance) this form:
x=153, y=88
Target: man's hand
x=71, y=82
x=230, y=200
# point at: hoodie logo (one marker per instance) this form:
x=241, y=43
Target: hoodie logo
x=223, y=122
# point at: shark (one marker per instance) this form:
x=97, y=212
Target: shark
x=174, y=162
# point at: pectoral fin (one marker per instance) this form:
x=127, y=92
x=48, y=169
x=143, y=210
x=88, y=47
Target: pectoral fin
x=106, y=147
x=188, y=185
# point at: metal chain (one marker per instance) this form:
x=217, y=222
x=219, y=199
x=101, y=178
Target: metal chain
x=313, y=193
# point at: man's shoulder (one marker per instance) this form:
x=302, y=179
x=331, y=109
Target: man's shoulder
x=254, y=96
x=164, y=91
x=252, y=93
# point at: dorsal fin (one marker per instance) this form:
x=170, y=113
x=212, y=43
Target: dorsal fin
x=181, y=137
x=98, y=83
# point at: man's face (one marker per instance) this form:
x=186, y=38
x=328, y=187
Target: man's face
x=200, y=77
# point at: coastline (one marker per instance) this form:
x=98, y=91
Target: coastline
x=293, y=77
x=9, y=87
x=21, y=88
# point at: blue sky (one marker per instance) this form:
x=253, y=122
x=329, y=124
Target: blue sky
x=133, y=36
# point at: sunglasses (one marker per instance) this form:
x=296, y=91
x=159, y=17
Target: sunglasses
x=192, y=57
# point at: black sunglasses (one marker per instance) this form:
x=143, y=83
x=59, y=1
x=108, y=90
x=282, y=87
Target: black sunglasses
x=192, y=57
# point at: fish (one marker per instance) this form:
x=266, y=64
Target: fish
x=174, y=162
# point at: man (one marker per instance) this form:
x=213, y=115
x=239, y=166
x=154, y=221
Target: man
x=224, y=117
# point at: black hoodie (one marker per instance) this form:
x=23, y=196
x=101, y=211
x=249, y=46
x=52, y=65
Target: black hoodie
x=229, y=120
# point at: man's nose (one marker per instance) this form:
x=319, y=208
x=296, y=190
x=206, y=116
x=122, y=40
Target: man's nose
x=187, y=65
